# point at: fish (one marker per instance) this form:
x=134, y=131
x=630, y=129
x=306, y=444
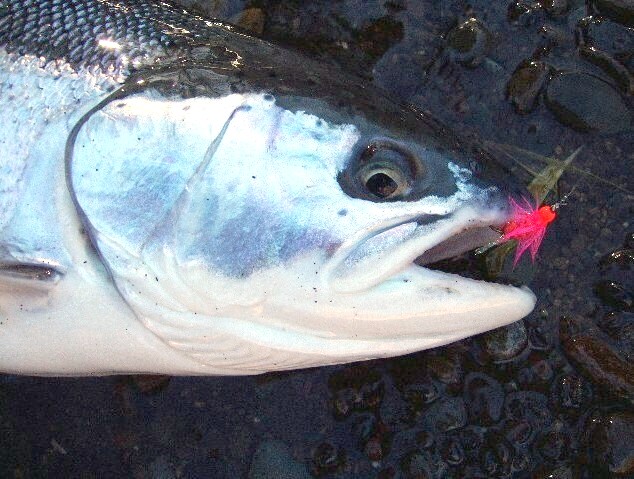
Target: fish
x=180, y=197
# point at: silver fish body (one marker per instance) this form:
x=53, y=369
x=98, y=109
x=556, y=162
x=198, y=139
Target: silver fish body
x=179, y=197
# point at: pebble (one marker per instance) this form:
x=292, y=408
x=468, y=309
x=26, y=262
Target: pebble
x=251, y=19
x=530, y=406
x=587, y=103
x=503, y=344
x=484, y=397
x=523, y=13
x=621, y=11
x=326, y=459
x=468, y=43
x=613, y=38
x=525, y=84
x=273, y=460
x=446, y=415
x=623, y=257
x=150, y=383
x=377, y=37
x=587, y=347
x=554, y=8
x=418, y=465
x=615, y=295
x=519, y=432
x=619, y=325
x=609, y=437
x=446, y=368
x=571, y=391
x=616, y=70
x=554, y=443
x=560, y=472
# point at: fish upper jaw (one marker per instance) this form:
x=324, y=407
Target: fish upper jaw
x=381, y=251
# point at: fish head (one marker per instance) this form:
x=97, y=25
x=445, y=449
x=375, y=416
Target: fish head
x=292, y=225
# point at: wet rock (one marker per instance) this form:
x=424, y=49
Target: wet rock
x=326, y=459
x=610, y=37
x=571, y=391
x=343, y=402
x=503, y=344
x=530, y=406
x=161, y=468
x=446, y=415
x=520, y=433
x=608, y=438
x=615, y=295
x=471, y=438
x=446, y=368
x=419, y=395
x=592, y=353
x=539, y=371
x=418, y=465
x=587, y=103
x=484, y=397
x=619, y=326
x=273, y=460
x=388, y=472
x=621, y=11
x=539, y=339
x=355, y=388
x=251, y=19
x=377, y=37
x=616, y=70
x=525, y=84
x=451, y=451
x=560, y=472
x=554, y=8
x=523, y=13
x=496, y=458
x=373, y=436
x=554, y=443
x=468, y=43
x=150, y=383
x=623, y=257
x=374, y=449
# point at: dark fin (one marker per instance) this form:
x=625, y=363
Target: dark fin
x=41, y=273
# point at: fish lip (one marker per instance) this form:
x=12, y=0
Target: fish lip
x=488, y=227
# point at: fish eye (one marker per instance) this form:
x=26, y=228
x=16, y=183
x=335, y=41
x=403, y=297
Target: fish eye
x=383, y=182
x=387, y=171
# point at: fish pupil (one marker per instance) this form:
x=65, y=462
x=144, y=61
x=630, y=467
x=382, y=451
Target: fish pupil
x=381, y=185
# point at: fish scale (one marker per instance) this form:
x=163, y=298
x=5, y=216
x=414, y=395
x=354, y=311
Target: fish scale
x=59, y=29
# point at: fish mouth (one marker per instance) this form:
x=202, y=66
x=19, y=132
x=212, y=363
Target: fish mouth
x=385, y=252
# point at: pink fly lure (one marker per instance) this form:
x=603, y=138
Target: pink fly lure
x=528, y=226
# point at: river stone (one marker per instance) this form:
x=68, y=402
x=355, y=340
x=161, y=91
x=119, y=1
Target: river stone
x=468, y=43
x=587, y=103
x=273, y=460
x=525, y=84
x=621, y=11
x=609, y=437
x=505, y=343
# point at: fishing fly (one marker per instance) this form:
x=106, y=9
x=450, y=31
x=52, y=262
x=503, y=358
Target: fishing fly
x=527, y=226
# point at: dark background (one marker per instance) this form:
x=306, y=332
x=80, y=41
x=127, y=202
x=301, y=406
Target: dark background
x=550, y=396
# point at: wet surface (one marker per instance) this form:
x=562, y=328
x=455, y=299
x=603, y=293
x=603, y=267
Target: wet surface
x=550, y=396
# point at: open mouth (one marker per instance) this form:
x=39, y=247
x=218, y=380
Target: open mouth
x=445, y=244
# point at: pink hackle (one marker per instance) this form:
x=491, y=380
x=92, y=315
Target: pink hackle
x=528, y=226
